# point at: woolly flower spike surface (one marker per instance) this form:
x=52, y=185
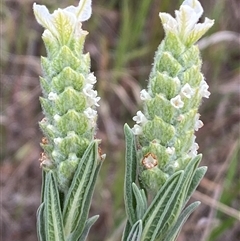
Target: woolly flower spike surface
x=176, y=87
x=69, y=99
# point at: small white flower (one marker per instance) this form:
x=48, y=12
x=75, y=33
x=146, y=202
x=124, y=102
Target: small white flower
x=170, y=150
x=91, y=94
x=177, y=80
x=52, y=96
x=88, y=91
x=54, y=153
x=199, y=124
x=193, y=150
x=72, y=157
x=180, y=118
x=204, y=89
x=144, y=95
x=177, y=102
x=187, y=91
x=140, y=118
x=50, y=127
x=137, y=130
x=56, y=117
x=91, y=79
x=57, y=140
x=90, y=113
x=94, y=101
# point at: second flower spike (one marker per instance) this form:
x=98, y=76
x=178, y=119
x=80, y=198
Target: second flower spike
x=165, y=131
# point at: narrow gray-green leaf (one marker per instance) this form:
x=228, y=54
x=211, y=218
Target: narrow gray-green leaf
x=158, y=205
x=191, y=169
x=177, y=202
x=75, y=197
x=136, y=232
x=43, y=185
x=52, y=210
x=174, y=231
x=87, y=227
x=199, y=174
x=40, y=223
x=169, y=207
x=82, y=218
x=126, y=231
x=141, y=201
x=130, y=174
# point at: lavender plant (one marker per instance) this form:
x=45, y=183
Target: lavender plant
x=161, y=153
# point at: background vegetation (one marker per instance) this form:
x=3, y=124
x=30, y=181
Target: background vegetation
x=123, y=36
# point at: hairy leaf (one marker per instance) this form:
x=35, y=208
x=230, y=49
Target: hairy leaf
x=130, y=174
x=174, y=231
x=53, y=221
x=136, y=231
x=75, y=198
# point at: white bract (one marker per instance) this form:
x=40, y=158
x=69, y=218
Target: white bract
x=185, y=24
x=69, y=18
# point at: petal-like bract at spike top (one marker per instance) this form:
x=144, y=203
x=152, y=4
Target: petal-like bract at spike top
x=195, y=5
x=185, y=24
x=62, y=19
x=83, y=11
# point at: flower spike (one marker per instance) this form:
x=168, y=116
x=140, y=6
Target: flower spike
x=175, y=90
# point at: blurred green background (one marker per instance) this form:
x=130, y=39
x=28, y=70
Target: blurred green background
x=123, y=36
